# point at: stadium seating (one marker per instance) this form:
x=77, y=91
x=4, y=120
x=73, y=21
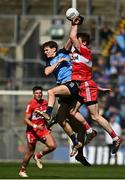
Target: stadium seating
x=46, y=7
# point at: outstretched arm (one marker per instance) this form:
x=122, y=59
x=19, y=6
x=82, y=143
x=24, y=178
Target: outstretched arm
x=74, y=31
x=50, y=69
x=68, y=45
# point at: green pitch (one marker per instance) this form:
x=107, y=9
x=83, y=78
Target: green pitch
x=63, y=171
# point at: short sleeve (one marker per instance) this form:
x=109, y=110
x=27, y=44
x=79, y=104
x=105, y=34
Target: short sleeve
x=29, y=109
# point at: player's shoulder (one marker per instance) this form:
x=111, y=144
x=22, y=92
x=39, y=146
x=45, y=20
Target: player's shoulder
x=84, y=47
x=63, y=51
x=86, y=51
x=31, y=102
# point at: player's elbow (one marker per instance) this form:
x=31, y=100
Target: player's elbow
x=72, y=37
x=25, y=122
x=46, y=72
x=51, y=92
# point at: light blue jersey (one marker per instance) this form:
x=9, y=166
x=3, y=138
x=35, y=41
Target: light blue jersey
x=64, y=70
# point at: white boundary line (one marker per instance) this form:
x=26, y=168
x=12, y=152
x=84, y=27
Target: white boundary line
x=19, y=92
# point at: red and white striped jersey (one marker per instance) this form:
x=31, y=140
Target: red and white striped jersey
x=82, y=64
x=34, y=105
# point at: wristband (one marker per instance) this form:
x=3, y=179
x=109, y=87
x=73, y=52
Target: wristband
x=34, y=126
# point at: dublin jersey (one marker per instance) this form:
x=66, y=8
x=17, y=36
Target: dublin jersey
x=82, y=64
x=64, y=70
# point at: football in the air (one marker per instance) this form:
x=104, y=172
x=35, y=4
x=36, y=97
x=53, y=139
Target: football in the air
x=71, y=13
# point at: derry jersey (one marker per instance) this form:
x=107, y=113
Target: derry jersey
x=82, y=71
x=64, y=70
x=82, y=64
x=30, y=110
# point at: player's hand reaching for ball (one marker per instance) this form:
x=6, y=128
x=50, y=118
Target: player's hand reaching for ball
x=77, y=20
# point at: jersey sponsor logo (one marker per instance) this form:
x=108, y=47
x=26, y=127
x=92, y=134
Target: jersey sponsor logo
x=80, y=59
x=36, y=116
x=72, y=84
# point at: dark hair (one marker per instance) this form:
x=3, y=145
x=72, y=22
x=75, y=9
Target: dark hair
x=85, y=37
x=51, y=44
x=35, y=88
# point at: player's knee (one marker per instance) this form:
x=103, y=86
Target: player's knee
x=62, y=124
x=95, y=117
x=50, y=92
x=72, y=112
x=52, y=147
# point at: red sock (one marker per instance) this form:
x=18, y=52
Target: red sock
x=113, y=134
x=23, y=169
x=86, y=126
x=39, y=155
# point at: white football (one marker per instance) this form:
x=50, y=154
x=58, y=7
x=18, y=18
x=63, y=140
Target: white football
x=71, y=13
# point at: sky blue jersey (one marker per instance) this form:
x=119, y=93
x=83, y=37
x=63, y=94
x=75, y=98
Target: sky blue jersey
x=64, y=70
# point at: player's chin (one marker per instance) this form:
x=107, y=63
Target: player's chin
x=48, y=56
x=38, y=98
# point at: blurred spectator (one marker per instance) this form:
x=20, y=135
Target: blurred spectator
x=114, y=99
x=117, y=128
x=114, y=63
x=103, y=105
x=100, y=74
x=120, y=40
x=121, y=81
x=93, y=31
x=105, y=32
x=122, y=111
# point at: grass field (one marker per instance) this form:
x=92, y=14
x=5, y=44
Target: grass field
x=63, y=171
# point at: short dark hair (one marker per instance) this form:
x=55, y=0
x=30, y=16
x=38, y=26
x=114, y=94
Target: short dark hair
x=84, y=36
x=51, y=44
x=35, y=88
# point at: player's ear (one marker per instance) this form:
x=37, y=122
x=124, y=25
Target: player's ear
x=54, y=49
x=84, y=43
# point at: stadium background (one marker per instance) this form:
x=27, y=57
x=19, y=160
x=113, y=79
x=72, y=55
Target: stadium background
x=24, y=26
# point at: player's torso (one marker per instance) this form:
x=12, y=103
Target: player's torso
x=81, y=65
x=34, y=105
x=63, y=70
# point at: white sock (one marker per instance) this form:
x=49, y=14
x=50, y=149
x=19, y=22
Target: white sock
x=88, y=131
x=115, y=138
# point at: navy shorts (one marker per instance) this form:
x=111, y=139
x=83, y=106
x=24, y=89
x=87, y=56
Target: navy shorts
x=73, y=87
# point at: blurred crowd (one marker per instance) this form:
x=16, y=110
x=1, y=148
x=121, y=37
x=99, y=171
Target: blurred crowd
x=109, y=72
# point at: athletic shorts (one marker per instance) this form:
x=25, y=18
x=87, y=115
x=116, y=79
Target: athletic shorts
x=37, y=135
x=73, y=87
x=88, y=91
x=67, y=100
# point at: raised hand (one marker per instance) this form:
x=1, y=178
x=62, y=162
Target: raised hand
x=77, y=20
